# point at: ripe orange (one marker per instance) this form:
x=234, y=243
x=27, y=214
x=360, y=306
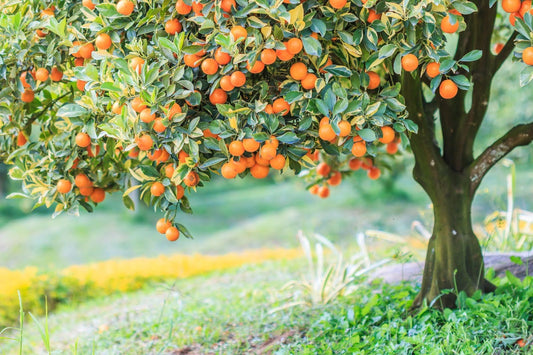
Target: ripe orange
x=345, y=128
x=79, y=62
x=236, y=148
x=125, y=7
x=298, y=71
x=238, y=79
x=41, y=74
x=103, y=41
x=355, y=164
x=173, y=26
x=373, y=16
x=80, y=84
x=323, y=192
x=374, y=173
x=225, y=83
x=375, y=80
x=367, y=163
x=328, y=63
x=228, y=171
x=359, y=149
x=88, y=4
x=222, y=57
x=433, y=69
x=182, y=8
x=227, y=5
x=169, y=170
x=218, y=96
x=294, y=45
x=525, y=7
x=238, y=165
x=447, y=27
x=326, y=132
x=162, y=225
x=92, y=153
x=527, y=55
x=145, y=142
x=268, y=56
x=268, y=151
x=498, y=47
x=40, y=33
x=238, y=32
x=137, y=104
x=192, y=179
x=250, y=145
x=337, y=4
x=261, y=161
x=180, y=192
x=83, y=140
x=159, y=126
x=248, y=161
x=172, y=234
x=116, y=108
x=27, y=96
x=314, y=189
x=64, y=186
x=191, y=60
x=209, y=66
x=146, y=115
x=86, y=51
x=269, y=109
x=323, y=169
x=256, y=68
x=157, y=189
x=25, y=84
x=409, y=62
x=56, y=74
x=388, y=135
x=259, y=171
x=392, y=148
x=278, y=162
x=511, y=5
x=98, y=195
x=281, y=106
x=335, y=179
x=81, y=180
x=284, y=54
x=155, y=155
x=174, y=110
x=21, y=139
x=197, y=8
x=448, y=89
x=182, y=156
x=136, y=64
x=309, y=82
x=86, y=191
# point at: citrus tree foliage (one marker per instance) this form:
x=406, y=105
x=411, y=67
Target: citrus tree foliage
x=98, y=97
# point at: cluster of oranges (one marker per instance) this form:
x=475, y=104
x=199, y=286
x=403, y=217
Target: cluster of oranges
x=516, y=9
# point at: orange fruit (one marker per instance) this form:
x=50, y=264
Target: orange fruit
x=88, y=4
x=409, y=62
x=64, y=186
x=81, y=180
x=21, y=139
x=238, y=79
x=222, y=57
x=359, y=149
x=162, y=225
x=498, y=47
x=280, y=105
x=225, y=83
x=136, y=64
x=298, y=71
x=268, y=151
x=278, y=162
x=250, y=145
x=294, y=45
x=511, y=5
x=238, y=32
x=236, y=148
x=433, y=69
x=25, y=84
x=172, y=234
x=145, y=142
x=41, y=74
x=525, y=7
x=27, y=96
x=86, y=51
x=375, y=80
x=392, y=148
x=80, y=84
x=209, y=66
x=197, y=8
x=180, y=192
x=328, y=63
x=137, y=104
x=56, y=74
x=268, y=56
x=248, y=161
x=374, y=173
x=182, y=156
x=103, y=41
x=314, y=189
x=169, y=170
x=256, y=68
x=284, y=54
x=79, y=62
x=527, y=55
x=272, y=140
x=92, y=153
x=228, y=171
x=191, y=60
x=238, y=165
x=182, y=8
x=388, y=135
x=323, y=192
x=83, y=140
x=367, y=163
x=146, y=115
x=173, y=26
x=116, y=108
x=259, y=171
x=125, y=7
x=373, y=16
x=159, y=126
x=337, y=4
x=448, y=89
x=323, y=169
x=40, y=33
x=157, y=189
x=86, y=191
x=227, y=5
x=355, y=164
x=174, y=110
x=218, y=96
x=335, y=179
x=192, y=179
x=326, y=132
x=447, y=27
x=269, y=109
x=155, y=155
x=345, y=128
x=309, y=82
x=261, y=161
x=98, y=195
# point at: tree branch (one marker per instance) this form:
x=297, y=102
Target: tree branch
x=36, y=115
x=517, y=136
x=504, y=53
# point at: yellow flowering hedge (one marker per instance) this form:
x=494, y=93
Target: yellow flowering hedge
x=80, y=282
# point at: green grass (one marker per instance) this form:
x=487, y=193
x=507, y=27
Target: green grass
x=229, y=313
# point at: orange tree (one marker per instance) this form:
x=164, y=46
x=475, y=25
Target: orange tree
x=100, y=96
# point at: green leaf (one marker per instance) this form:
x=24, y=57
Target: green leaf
x=71, y=110
x=367, y=134
x=312, y=46
x=472, y=56
x=338, y=70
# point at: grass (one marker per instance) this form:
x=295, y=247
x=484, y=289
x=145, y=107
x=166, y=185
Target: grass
x=229, y=313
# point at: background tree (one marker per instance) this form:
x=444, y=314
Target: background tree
x=159, y=96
